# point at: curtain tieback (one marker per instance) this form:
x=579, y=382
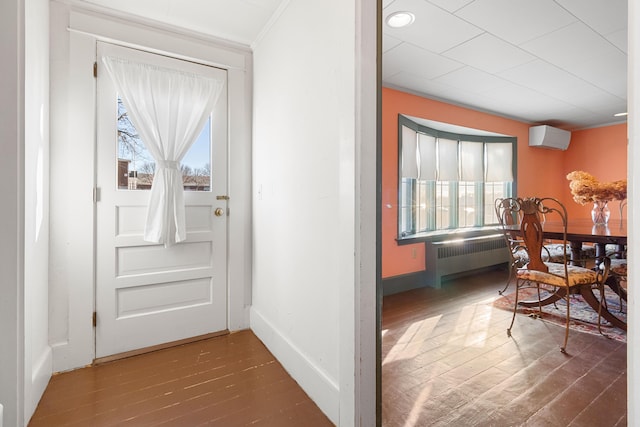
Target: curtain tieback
x=168, y=164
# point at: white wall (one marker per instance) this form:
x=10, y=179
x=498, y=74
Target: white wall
x=633, y=155
x=37, y=368
x=25, y=365
x=74, y=33
x=307, y=166
x=12, y=213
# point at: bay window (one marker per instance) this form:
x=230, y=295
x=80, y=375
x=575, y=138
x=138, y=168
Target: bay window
x=449, y=180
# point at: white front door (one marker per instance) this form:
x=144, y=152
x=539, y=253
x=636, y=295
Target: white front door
x=147, y=294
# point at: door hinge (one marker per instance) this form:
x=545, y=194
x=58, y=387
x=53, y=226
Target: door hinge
x=95, y=69
x=96, y=194
x=94, y=319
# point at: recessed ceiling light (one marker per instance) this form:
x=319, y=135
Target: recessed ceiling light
x=620, y=114
x=400, y=19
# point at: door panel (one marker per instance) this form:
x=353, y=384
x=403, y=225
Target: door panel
x=148, y=294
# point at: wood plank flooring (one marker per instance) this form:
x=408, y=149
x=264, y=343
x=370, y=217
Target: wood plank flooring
x=232, y=380
x=447, y=361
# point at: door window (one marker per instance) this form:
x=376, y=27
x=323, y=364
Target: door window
x=136, y=166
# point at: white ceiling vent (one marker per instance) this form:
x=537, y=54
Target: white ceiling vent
x=549, y=137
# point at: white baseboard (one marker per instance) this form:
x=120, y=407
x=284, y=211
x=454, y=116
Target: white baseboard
x=322, y=389
x=40, y=376
x=67, y=357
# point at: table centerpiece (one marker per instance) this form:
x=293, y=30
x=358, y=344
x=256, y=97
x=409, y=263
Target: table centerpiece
x=585, y=188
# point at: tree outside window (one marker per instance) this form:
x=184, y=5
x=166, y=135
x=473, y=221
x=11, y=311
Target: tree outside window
x=136, y=167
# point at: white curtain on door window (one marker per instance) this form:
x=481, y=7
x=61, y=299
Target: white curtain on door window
x=168, y=109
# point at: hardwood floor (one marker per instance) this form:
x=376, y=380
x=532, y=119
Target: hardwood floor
x=231, y=380
x=447, y=361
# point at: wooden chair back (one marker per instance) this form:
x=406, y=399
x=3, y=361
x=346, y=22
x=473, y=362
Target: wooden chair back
x=534, y=212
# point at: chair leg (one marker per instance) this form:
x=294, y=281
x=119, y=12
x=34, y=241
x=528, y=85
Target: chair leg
x=512, y=271
x=620, y=289
x=539, y=314
x=602, y=301
x=563, y=349
x=515, y=307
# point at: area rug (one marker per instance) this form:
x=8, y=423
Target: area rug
x=583, y=317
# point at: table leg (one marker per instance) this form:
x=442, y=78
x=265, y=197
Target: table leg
x=590, y=298
x=600, y=252
x=576, y=252
x=613, y=283
x=549, y=299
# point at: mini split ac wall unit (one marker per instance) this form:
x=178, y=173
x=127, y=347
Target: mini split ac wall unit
x=549, y=137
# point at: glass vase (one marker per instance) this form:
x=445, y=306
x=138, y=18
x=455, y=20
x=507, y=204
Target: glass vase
x=600, y=213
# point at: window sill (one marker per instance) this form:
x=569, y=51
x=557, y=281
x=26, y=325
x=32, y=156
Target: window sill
x=452, y=234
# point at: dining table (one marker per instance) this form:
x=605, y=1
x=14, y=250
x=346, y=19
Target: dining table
x=583, y=230
x=580, y=231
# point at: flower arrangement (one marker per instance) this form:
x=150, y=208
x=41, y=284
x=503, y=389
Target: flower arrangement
x=586, y=188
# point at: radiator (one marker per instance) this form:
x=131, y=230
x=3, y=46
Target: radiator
x=459, y=256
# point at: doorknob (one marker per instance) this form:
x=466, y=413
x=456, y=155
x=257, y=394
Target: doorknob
x=219, y=212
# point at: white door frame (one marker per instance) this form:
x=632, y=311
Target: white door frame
x=72, y=293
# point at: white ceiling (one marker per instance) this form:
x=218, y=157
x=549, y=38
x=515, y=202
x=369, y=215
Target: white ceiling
x=556, y=62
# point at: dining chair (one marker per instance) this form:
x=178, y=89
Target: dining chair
x=618, y=273
x=509, y=216
x=618, y=270
x=563, y=277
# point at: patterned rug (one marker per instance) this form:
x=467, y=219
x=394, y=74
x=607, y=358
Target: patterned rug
x=583, y=317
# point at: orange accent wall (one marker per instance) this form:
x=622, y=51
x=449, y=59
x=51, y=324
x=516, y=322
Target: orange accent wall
x=603, y=153
x=540, y=171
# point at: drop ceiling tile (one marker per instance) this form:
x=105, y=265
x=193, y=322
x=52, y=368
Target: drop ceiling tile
x=486, y=105
x=523, y=100
x=569, y=46
x=555, y=82
x=450, y=5
x=604, y=16
x=434, y=29
x=471, y=79
x=608, y=71
x=489, y=53
x=412, y=59
x=607, y=108
x=500, y=107
x=620, y=40
x=389, y=42
x=424, y=87
x=580, y=119
x=516, y=21
x=579, y=115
